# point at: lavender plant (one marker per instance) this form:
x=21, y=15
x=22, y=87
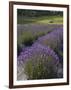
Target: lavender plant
x=38, y=62
x=27, y=34
x=54, y=40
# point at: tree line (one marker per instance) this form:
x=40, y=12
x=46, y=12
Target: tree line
x=37, y=13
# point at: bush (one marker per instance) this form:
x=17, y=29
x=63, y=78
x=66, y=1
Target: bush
x=27, y=41
x=39, y=34
x=39, y=70
x=39, y=62
x=50, y=21
x=28, y=38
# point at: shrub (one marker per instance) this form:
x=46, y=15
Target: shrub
x=28, y=38
x=39, y=62
x=50, y=21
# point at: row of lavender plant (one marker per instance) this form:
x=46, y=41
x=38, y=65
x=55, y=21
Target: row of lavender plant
x=28, y=34
x=54, y=40
x=41, y=60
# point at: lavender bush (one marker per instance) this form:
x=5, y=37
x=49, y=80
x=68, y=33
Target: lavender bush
x=54, y=40
x=39, y=62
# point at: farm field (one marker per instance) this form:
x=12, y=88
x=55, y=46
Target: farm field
x=40, y=47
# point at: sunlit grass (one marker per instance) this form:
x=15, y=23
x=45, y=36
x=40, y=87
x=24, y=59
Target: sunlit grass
x=43, y=19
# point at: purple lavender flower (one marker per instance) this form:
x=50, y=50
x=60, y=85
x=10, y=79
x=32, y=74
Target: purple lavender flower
x=54, y=40
x=38, y=62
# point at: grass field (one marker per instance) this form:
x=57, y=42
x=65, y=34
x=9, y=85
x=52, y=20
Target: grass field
x=41, y=19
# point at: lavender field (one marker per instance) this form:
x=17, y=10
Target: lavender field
x=40, y=47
